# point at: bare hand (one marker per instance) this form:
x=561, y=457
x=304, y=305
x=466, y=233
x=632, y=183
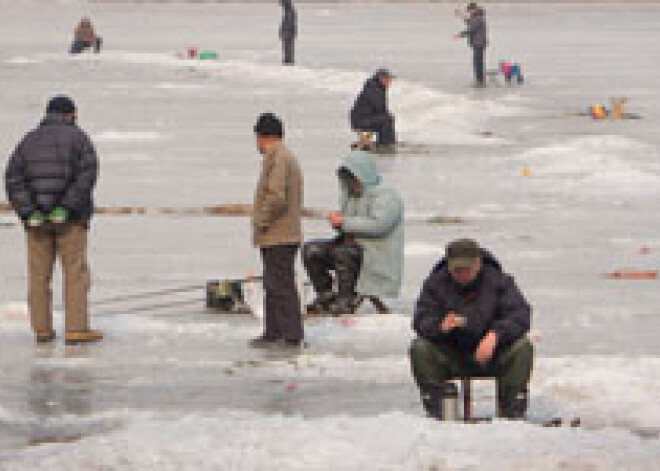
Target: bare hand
x=486, y=348
x=449, y=322
x=336, y=219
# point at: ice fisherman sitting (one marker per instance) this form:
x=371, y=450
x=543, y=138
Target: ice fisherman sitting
x=471, y=320
x=366, y=256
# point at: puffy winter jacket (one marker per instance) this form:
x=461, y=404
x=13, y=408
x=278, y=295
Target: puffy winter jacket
x=491, y=302
x=54, y=165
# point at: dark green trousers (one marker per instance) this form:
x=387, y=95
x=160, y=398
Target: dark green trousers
x=433, y=364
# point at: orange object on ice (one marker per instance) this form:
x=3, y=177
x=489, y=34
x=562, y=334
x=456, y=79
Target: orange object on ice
x=633, y=275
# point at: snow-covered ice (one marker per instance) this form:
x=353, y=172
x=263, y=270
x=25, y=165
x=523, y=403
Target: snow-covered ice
x=560, y=199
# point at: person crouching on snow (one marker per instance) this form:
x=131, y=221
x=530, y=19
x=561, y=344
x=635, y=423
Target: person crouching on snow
x=85, y=37
x=367, y=254
x=471, y=320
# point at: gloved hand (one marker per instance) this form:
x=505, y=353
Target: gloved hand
x=58, y=215
x=35, y=219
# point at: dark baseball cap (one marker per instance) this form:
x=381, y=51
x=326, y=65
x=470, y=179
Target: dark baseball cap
x=461, y=253
x=472, y=6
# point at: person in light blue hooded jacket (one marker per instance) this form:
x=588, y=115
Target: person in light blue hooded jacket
x=367, y=254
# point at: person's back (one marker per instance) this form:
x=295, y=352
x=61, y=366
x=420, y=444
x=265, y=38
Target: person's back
x=85, y=31
x=371, y=101
x=375, y=221
x=49, y=181
x=49, y=156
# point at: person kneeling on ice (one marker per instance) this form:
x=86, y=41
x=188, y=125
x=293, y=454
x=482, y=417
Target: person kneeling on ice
x=471, y=320
x=84, y=38
x=49, y=180
x=370, y=111
x=367, y=254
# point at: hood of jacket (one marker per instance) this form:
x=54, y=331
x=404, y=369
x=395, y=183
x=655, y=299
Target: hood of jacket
x=363, y=167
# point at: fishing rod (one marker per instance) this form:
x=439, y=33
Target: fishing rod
x=221, y=210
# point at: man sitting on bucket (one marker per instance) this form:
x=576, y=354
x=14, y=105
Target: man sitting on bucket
x=471, y=320
x=367, y=254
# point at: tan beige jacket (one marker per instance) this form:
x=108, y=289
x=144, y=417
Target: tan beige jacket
x=278, y=200
x=85, y=32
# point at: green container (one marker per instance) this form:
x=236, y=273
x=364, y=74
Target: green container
x=209, y=56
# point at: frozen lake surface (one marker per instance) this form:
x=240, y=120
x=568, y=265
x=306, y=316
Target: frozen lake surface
x=177, y=388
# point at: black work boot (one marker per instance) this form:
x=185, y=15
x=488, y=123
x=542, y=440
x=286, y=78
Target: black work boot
x=321, y=305
x=347, y=270
x=343, y=305
x=436, y=404
x=512, y=403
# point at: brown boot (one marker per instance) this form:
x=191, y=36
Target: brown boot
x=45, y=336
x=82, y=336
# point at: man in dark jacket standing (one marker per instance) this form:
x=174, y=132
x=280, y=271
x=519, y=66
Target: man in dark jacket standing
x=277, y=231
x=288, y=31
x=49, y=181
x=472, y=320
x=477, y=34
x=370, y=111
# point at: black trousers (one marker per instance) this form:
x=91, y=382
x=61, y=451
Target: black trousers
x=478, y=64
x=288, y=49
x=321, y=257
x=79, y=46
x=381, y=124
x=282, y=313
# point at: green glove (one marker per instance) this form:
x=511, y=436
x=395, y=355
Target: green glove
x=35, y=219
x=58, y=215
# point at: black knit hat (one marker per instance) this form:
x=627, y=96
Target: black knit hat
x=269, y=125
x=61, y=104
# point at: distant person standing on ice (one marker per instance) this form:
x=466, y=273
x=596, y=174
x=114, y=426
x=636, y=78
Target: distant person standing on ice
x=370, y=111
x=477, y=34
x=85, y=37
x=49, y=181
x=288, y=31
x=277, y=231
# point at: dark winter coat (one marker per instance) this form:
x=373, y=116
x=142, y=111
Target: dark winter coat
x=491, y=302
x=54, y=165
x=289, y=26
x=476, y=31
x=371, y=101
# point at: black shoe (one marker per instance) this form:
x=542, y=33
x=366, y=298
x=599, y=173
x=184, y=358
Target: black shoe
x=343, y=306
x=321, y=305
x=435, y=401
x=293, y=344
x=513, y=404
x=264, y=342
x=45, y=337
